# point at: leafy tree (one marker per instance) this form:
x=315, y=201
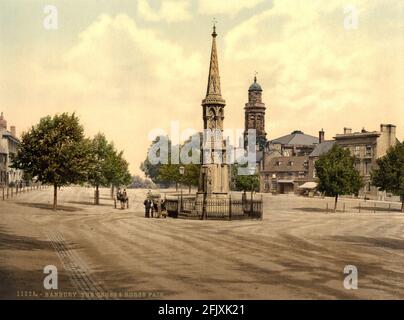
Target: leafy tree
x=245, y=182
x=170, y=173
x=117, y=170
x=337, y=174
x=101, y=152
x=167, y=173
x=151, y=170
x=389, y=174
x=191, y=175
x=55, y=152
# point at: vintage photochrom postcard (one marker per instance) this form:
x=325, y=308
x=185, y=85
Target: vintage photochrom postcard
x=176, y=150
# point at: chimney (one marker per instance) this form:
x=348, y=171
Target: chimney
x=321, y=135
x=13, y=131
x=347, y=130
x=389, y=128
x=389, y=131
x=3, y=122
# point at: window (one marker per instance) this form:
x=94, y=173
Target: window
x=369, y=150
x=357, y=151
x=278, y=163
x=306, y=163
x=302, y=174
x=366, y=167
x=290, y=163
x=274, y=176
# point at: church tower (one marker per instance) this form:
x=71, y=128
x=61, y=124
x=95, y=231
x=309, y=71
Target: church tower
x=214, y=178
x=254, y=112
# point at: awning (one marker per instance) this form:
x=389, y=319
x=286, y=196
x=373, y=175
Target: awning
x=285, y=181
x=308, y=185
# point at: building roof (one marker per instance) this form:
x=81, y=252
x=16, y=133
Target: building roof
x=322, y=148
x=308, y=185
x=363, y=134
x=255, y=86
x=286, y=164
x=297, y=137
x=8, y=134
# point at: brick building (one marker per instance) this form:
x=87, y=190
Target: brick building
x=367, y=147
x=8, y=146
x=285, y=164
x=284, y=174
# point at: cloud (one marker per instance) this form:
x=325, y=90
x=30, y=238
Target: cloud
x=226, y=7
x=169, y=11
x=121, y=79
x=315, y=72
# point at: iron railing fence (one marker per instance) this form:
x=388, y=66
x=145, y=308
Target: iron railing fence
x=214, y=209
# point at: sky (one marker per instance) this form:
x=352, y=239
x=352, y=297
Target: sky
x=128, y=67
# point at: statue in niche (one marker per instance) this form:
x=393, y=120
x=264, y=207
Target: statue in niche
x=211, y=119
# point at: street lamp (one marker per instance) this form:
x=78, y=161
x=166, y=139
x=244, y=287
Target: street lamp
x=182, y=171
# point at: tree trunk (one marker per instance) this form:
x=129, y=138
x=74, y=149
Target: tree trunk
x=112, y=191
x=189, y=189
x=97, y=195
x=176, y=186
x=335, y=204
x=55, y=196
x=402, y=203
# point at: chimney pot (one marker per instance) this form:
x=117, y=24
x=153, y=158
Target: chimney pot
x=13, y=131
x=321, y=135
x=347, y=130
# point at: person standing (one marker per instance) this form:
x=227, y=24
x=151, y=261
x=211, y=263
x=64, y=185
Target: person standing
x=147, y=205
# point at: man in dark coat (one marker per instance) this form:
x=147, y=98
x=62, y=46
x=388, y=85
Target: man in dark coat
x=147, y=205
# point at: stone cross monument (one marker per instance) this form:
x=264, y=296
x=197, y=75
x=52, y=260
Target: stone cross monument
x=214, y=176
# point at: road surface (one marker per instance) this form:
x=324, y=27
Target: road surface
x=296, y=252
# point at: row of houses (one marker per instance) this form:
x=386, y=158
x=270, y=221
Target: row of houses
x=8, y=146
x=288, y=163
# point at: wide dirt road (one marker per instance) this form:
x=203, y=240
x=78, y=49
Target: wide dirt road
x=296, y=251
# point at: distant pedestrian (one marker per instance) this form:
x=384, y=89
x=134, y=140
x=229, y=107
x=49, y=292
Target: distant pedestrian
x=163, y=209
x=147, y=206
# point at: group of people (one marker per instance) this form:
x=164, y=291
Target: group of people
x=122, y=197
x=151, y=206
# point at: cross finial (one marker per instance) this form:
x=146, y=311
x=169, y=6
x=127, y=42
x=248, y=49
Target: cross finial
x=255, y=76
x=214, y=34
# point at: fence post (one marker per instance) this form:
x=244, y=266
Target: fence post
x=7, y=192
x=326, y=208
x=178, y=205
x=359, y=207
x=229, y=207
x=374, y=209
x=343, y=208
x=3, y=192
x=252, y=205
x=262, y=207
x=389, y=207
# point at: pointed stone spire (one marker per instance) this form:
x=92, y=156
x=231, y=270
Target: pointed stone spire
x=213, y=92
